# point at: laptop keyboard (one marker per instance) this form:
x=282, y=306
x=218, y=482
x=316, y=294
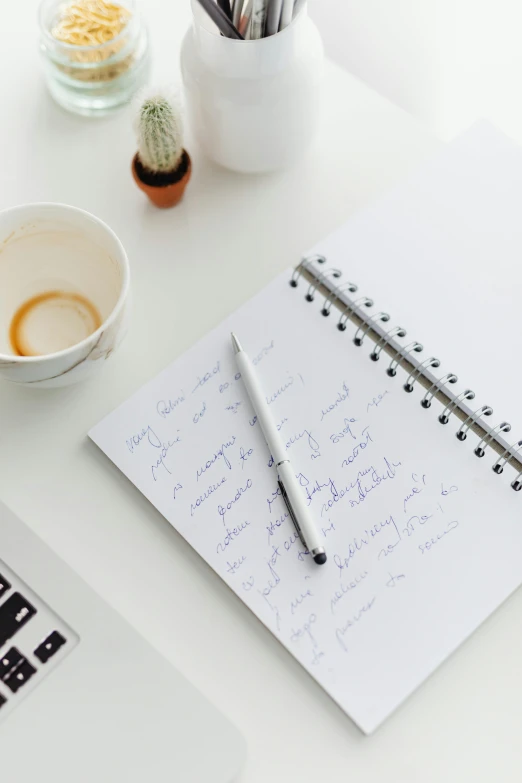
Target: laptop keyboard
x=15, y=612
x=33, y=640
x=4, y=585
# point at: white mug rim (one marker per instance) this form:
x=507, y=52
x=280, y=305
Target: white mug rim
x=12, y=358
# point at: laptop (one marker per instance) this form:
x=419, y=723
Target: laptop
x=83, y=697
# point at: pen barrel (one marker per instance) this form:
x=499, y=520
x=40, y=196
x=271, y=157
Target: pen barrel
x=261, y=408
x=295, y=497
x=301, y=511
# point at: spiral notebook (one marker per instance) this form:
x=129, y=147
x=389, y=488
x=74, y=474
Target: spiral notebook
x=423, y=529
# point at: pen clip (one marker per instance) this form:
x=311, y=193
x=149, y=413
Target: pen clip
x=291, y=513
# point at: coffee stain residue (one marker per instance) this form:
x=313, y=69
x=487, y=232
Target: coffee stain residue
x=83, y=307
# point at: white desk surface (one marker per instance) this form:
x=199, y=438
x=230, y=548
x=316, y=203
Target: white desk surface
x=190, y=267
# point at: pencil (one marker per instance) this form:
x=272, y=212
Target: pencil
x=236, y=12
x=298, y=5
x=244, y=22
x=286, y=14
x=257, y=21
x=220, y=19
x=273, y=16
x=225, y=7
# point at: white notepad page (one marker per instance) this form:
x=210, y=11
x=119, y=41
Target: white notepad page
x=423, y=542
x=442, y=252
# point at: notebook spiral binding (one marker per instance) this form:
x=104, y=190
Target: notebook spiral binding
x=370, y=326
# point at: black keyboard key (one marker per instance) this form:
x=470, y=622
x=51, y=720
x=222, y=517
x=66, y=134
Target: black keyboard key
x=14, y=613
x=3, y=701
x=4, y=585
x=23, y=672
x=49, y=647
x=8, y=662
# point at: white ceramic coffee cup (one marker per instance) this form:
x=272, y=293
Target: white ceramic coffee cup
x=64, y=290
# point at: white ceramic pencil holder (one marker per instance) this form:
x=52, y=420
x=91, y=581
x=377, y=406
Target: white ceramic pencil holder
x=254, y=106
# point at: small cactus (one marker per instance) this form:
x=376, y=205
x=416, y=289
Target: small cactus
x=159, y=132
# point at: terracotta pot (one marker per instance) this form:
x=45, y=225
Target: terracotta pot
x=164, y=195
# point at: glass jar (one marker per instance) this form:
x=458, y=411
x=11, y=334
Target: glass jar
x=94, y=80
x=254, y=106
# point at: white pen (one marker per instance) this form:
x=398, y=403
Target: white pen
x=289, y=485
